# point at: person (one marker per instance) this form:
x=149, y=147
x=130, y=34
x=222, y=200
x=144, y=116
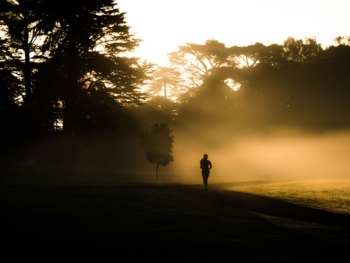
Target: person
x=205, y=165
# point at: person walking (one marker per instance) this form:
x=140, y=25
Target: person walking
x=205, y=165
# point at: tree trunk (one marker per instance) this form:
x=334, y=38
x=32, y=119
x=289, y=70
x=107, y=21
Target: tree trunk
x=157, y=171
x=28, y=99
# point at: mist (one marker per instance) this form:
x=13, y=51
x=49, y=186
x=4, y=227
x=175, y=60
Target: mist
x=282, y=154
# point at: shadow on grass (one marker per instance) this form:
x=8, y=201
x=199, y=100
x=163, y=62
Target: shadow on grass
x=163, y=222
x=47, y=219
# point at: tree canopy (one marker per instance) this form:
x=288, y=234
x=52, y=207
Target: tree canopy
x=158, y=145
x=66, y=65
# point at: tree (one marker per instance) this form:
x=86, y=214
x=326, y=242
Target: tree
x=96, y=73
x=25, y=28
x=253, y=55
x=342, y=40
x=198, y=61
x=301, y=51
x=166, y=82
x=158, y=145
x=68, y=64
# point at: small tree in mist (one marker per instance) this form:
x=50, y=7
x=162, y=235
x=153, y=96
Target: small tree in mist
x=157, y=145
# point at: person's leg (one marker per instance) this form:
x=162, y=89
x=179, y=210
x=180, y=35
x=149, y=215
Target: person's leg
x=205, y=181
x=205, y=175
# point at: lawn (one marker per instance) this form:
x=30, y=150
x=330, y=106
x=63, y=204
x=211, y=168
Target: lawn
x=47, y=219
x=328, y=194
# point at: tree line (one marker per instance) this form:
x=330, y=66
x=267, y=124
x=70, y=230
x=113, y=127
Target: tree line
x=62, y=66
x=297, y=83
x=67, y=70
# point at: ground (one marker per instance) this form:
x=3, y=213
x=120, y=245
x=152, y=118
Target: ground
x=163, y=222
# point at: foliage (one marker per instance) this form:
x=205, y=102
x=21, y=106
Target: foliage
x=158, y=145
x=197, y=61
x=297, y=83
x=67, y=64
x=301, y=51
x=167, y=82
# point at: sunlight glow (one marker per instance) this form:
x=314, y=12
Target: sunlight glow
x=281, y=155
x=165, y=25
x=232, y=84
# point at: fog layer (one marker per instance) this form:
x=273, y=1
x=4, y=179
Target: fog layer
x=280, y=155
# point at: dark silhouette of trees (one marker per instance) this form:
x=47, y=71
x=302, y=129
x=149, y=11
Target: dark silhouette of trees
x=297, y=83
x=94, y=71
x=25, y=28
x=67, y=69
x=342, y=40
x=252, y=55
x=307, y=89
x=158, y=145
x=65, y=65
x=301, y=51
x=247, y=56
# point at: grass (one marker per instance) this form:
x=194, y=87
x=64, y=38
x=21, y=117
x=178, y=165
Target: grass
x=327, y=194
x=47, y=219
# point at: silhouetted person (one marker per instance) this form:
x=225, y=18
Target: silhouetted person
x=205, y=165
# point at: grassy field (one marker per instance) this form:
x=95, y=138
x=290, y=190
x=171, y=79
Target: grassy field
x=55, y=214
x=328, y=194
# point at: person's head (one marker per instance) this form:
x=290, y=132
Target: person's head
x=205, y=156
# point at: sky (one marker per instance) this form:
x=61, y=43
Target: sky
x=163, y=25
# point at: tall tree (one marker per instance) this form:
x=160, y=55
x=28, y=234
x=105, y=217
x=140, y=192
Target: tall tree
x=166, y=82
x=25, y=27
x=69, y=62
x=96, y=37
x=197, y=61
